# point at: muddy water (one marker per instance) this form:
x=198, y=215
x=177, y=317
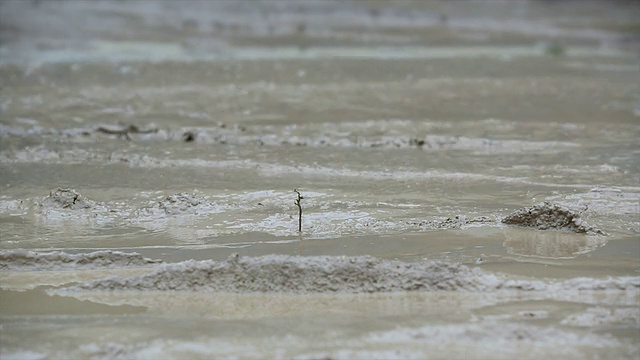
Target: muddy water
x=179, y=132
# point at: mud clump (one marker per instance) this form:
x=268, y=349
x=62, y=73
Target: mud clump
x=57, y=260
x=67, y=199
x=180, y=203
x=289, y=274
x=185, y=203
x=547, y=215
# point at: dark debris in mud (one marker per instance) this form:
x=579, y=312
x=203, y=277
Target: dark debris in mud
x=125, y=131
x=237, y=134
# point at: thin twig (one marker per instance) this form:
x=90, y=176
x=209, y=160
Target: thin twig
x=297, y=202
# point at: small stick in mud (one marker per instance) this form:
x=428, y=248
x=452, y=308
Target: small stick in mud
x=297, y=202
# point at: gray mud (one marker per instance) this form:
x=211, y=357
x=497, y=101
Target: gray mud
x=181, y=204
x=286, y=274
x=178, y=131
x=22, y=260
x=456, y=222
x=543, y=216
x=66, y=199
x=547, y=215
x=277, y=273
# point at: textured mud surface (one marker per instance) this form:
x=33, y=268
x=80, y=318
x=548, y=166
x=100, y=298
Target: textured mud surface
x=551, y=216
x=71, y=206
x=285, y=274
x=421, y=134
x=279, y=273
x=29, y=260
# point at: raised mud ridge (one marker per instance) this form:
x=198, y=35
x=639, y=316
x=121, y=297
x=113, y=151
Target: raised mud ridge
x=328, y=274
x=281, y=273
x=58, y=260
x=548, y=215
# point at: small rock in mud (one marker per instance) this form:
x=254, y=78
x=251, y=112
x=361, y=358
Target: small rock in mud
x=548, y=215
x=189, y=136
x=67, y=199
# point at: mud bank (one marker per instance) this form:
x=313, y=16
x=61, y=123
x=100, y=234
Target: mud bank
x=21, y=260
x=325, y=274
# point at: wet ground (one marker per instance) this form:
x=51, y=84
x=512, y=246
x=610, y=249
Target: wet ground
x=411, y=129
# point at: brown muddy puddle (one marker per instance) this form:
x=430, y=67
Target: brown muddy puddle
x=413, y=130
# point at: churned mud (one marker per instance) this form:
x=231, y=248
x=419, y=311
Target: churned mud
x=13, y=260
x=277, y=273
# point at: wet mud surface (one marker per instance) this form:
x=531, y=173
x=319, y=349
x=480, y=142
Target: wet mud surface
x=469, y=174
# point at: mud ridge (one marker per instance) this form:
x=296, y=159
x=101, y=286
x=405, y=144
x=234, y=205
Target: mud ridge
x=33, y=261
x=291, y=274
x=329, y=274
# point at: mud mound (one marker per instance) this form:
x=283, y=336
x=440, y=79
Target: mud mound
x=280, y=273
x=548, y=215
x=31, y=260
x=67, y=199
